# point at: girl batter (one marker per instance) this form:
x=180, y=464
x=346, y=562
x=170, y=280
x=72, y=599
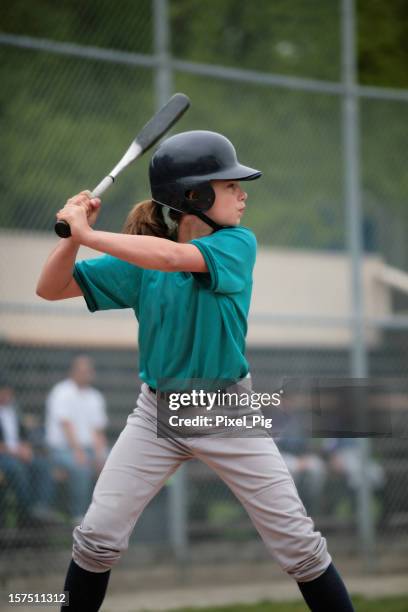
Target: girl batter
x=184, y=264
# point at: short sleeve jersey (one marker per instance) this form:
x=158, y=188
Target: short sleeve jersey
x=191, y=325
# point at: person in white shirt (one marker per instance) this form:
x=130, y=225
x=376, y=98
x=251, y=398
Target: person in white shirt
x=75, y=423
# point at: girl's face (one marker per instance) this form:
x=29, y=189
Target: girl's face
x=229, y=204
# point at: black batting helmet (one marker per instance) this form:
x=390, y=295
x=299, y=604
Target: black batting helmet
x=182, y=167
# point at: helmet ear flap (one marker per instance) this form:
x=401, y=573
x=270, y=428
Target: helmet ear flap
x=198, y=197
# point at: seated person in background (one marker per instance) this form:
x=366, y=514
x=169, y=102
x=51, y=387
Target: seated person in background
x=75, y=423
x=25, y=473
x=343, y=459
x=307, y=469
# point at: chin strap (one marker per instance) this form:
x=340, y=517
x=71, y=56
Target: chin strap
x=207, y=220
x=197, y=213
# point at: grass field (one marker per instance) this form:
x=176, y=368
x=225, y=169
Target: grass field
x=388, y=604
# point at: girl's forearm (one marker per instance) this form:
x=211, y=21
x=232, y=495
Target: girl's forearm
x=144, y=251
x=57, y=271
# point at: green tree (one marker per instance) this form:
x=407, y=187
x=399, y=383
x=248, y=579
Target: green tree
x=65, y=120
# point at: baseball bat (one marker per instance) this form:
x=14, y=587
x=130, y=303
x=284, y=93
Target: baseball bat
x=154, y=129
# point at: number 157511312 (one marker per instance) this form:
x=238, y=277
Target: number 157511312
x=61, y=598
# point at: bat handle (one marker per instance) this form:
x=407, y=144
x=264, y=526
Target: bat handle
x=103, y=186
x=62, y=227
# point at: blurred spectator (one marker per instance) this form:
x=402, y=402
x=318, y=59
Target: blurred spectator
x=304, y=463
x=75, y=423
x=343, y=460
x=26, y=474
x=307, y=469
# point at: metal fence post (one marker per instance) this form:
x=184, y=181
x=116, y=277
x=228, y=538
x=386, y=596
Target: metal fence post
x=177, y=504
x=161, y=41
x=351, y=152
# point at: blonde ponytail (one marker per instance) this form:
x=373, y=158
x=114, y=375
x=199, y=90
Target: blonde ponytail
x=147, y=219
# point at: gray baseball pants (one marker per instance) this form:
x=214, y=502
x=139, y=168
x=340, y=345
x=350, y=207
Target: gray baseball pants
x=140, y=463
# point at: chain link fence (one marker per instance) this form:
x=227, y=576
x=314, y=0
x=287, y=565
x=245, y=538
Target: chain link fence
x=71, y=105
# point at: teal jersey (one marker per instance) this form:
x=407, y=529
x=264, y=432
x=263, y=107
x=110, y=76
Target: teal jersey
x=191, y=325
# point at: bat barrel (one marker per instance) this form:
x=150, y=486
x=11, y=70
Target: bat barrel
x=154, y=129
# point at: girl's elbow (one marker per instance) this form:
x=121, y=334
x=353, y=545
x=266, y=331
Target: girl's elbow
x=44, y=294
x=40, y=292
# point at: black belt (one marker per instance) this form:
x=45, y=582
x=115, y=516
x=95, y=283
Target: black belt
x=153, y=390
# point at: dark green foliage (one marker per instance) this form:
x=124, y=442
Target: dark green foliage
x=383, y=42
x=124, y=25
x=66, y=121
x=279, y=36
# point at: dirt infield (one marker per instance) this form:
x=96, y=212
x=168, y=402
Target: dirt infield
x=165, y=587
x=274, y=590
